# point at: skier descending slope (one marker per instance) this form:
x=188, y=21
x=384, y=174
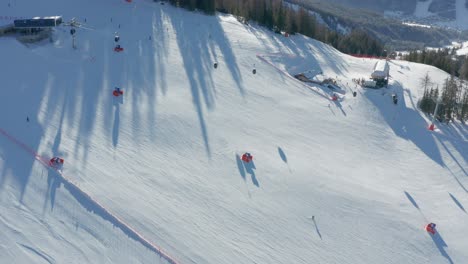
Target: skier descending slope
x=431, y=228
x=334, y=97
x=247, y=157
x=117, y=47
x=117, y=92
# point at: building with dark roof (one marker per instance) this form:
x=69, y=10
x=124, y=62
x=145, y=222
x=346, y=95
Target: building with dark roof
x=38, y=22
x=32, y=29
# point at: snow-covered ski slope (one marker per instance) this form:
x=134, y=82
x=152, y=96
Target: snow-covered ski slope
x=166, y=159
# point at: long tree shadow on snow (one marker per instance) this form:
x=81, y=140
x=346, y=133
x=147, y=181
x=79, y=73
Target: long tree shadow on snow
x=461, y=151
x=455, y=200
x=411, y=199
x=19, y=101
x=405, y=122
x=457, y=180
x=197, y=63
x=282, y=155
x=58, y=136
x=145, y=82
x=456, y=141
x=453, y=135
x=18, y=164
x=197, y=59
x=415, y=204
x=52, y=88
x=455, y=138
x=218, y=36
x=87, y=77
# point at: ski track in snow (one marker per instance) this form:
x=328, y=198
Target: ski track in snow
x=38, y=253
x=99, y=209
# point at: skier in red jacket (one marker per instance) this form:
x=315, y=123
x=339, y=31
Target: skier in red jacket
x=247, y=157
x=431, y=228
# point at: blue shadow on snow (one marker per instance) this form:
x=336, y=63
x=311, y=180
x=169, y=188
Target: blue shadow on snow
x=411, y=199
x=240, y=166
x=441, y=245
x=457, y=203
x=282, y=155
x=249, y=168
x=405, y=122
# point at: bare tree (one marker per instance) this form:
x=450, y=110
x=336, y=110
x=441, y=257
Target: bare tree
x=426, y=81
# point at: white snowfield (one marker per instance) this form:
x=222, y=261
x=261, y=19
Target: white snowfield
x=351, y=181
x=463, y=48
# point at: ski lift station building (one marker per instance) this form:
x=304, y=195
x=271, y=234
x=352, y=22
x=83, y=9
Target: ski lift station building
x=381, y=70
x=37, y=23
x=32, y=29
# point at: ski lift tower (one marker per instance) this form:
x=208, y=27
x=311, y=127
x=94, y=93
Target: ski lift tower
x=74, y=24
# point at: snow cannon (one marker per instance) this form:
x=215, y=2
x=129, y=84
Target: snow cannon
x=247, y=157
x=431, y=228
x=56, y=161
x=117, y=92
x=118, y=48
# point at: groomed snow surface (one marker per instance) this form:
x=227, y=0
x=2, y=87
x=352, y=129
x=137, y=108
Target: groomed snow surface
x=164, y=159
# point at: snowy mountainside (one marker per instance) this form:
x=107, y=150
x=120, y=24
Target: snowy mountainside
x=452, y=14
x=397, y=30
x=405, y=6
x=165, y=157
